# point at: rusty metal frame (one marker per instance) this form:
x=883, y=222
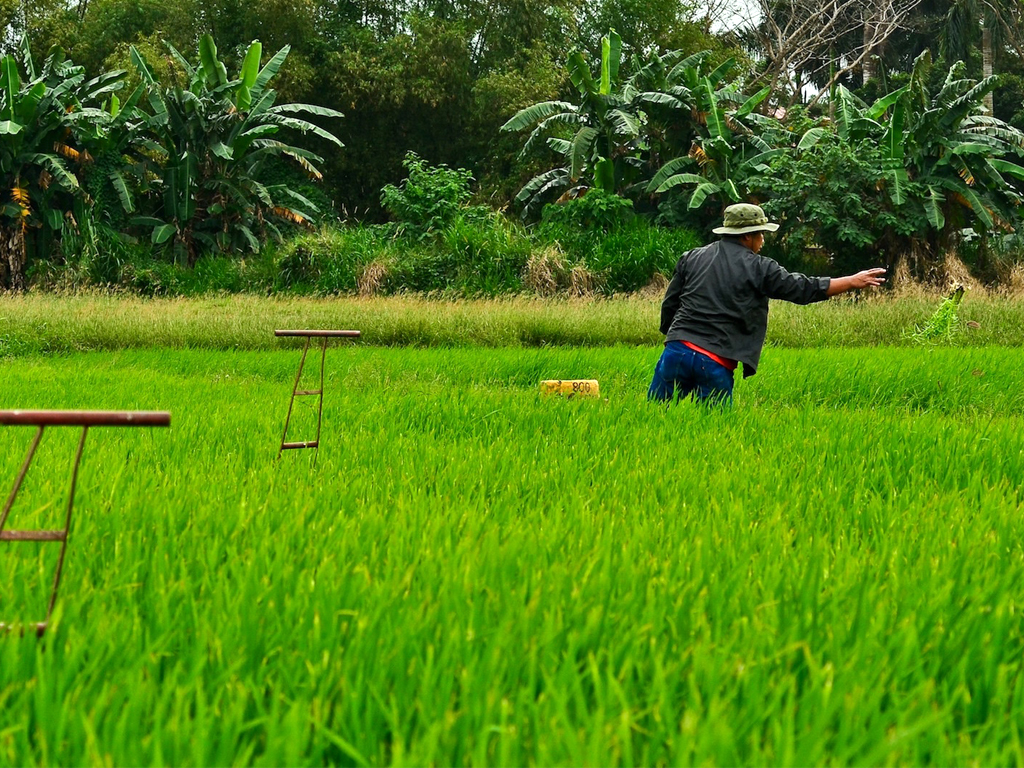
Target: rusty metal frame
x=309, y=335
x=43, y=419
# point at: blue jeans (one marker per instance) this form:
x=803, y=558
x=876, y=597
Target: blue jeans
x=686, y=373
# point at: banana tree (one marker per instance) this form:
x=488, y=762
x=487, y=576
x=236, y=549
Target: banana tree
x=946, y=143
x=666, y=105
x=601, y=141
x=207, y=146
x=956, y=149
x=731, y=141
x=939, y=162
x=43, y=115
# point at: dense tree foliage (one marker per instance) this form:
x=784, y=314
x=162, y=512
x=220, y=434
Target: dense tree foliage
x=188, y=160
x=436, y=77
x=207, y=146
x=928, y=161
x=46, y=118
x=677, y=107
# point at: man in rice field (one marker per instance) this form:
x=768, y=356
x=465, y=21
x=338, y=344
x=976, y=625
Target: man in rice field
x=715, y=312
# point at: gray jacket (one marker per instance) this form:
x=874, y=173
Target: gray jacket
x=718, y=299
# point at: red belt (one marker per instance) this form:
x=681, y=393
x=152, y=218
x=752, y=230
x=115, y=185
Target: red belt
x=725, y=362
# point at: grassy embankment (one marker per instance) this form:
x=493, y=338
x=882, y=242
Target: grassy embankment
x=827, y=573
x=47, y=323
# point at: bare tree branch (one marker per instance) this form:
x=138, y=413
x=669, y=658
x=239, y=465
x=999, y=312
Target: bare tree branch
x=795, y=39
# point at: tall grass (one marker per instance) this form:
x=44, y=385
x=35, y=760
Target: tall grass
x=469, y=252
x=827, y=573
x=46, y=323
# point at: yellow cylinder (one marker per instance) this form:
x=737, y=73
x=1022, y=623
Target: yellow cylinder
x=571, y=387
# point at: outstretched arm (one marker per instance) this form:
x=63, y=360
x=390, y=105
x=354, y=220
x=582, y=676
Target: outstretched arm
x=869, y=277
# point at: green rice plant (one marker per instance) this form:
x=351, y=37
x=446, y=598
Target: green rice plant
x=475, y=575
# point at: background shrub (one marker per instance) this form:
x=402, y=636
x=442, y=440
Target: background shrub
x=621, y=250
x=430, y=197
x=596, y=210
x=331, y=260
x=833, y=208
x=628, y=258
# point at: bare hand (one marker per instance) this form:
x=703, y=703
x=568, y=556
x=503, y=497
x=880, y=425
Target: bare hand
x=865, y=279
x=868, y=278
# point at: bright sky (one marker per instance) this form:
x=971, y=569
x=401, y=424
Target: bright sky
x=729, y=14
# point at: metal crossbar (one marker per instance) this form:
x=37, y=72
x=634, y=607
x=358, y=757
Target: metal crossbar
x=309, y=335
x=43, y=419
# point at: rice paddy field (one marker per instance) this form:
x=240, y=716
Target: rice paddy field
x=827, y=573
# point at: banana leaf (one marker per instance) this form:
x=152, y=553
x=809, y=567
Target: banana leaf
x=579, y=156
x=579, y=73
x=269, y=70
x=213, y=69
x=535, y=113
x=10, y=83
x=701, y=193
x=611, y=56
x=251, y=66
x=667, y=170
x=678, y=180
x=162, y=233
x=933, y=208
x=121, y=187
x=811, y=137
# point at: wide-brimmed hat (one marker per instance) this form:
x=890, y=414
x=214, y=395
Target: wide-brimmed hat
x=743, y=218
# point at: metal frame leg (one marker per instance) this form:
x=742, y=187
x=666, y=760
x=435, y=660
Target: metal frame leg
x=67, y=523
x=291, y=403
x=21, y=477
x=320, y=407
x=296, y=392
x=53, y=535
